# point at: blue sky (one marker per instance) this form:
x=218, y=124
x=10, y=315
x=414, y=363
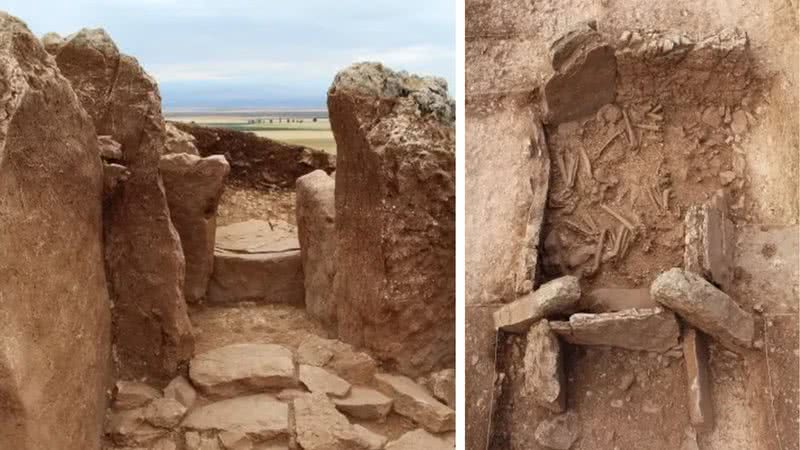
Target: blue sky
x=240, y=53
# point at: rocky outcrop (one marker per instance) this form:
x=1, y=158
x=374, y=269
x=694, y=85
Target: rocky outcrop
x=144, y=261
x=395, y=216
x=316, y=231
x=54, y=308
x=194, y=186
x=258, y=162
x=257, y=261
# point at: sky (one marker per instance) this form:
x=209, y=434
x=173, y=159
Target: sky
x=237, y=53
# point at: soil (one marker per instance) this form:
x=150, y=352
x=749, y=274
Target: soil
x=240, y=203
x=755, y=395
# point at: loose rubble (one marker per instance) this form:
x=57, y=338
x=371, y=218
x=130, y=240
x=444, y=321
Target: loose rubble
x=243, y=368
x=419, y=439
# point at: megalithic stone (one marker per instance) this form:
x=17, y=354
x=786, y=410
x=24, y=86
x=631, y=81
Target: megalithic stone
x=560, y=296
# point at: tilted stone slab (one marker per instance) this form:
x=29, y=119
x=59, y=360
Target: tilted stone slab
x=616, y=299
x=544, y=368
x=709, y=241
x=364, y=403
x=260, y=416
x=193, y=186
x=653, y=329
x=257, y=261
x=243, y=368
x=704, y=306
x=414, y=401
x=701, y=405
x=317, y=379
x=559, y=296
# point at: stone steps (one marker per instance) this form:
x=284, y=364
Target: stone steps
x=268, y=396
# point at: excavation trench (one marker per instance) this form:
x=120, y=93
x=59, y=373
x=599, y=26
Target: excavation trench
x=620, y=177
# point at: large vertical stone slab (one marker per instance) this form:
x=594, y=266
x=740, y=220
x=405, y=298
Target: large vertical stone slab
x=395, y=215
x=194, y=186
x=710, y=242
x=144, y=260
x=316, y=231
x=54, y=309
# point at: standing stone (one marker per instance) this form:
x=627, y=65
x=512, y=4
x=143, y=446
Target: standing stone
x=585, y=78
x=194, y=186
x=710, y=241
x=544, y=368
x=701, y=407
x=395, y=215
x=144, y=261
x=652, y=329
x=559, y=296
x=54, y=308
x=413, y=401
x=704, y=306
x=179, y=141
x=316, y=231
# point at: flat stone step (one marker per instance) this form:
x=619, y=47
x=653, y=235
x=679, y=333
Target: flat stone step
x=260, y=416
x=364, y=403
x=243, y=369
x=257, y=261
x=414, y=401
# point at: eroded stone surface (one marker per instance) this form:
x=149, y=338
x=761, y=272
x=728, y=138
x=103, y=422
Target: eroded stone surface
x=317, y=379
x=559, y=296
x=395, y=216
x=701, y=405
x=419, y=439
x=133, y=394
x=257, y=261
x=164, y=413
x=260, y=416
x=364, y=403
x=616, y=299
x=243, y=368
x=54, y=309
x=544, y=368
x=319, y=426
x=558, y=433
x=585, y=78
x=193, y=186
x=338, y=357
x=442, y=385
x=413, y=401
x=653, y=329
x=144, y=261
x=704, y=306
x=130, y=428
x=179, y=141
x=368, y=439
x=181, y=390
x=316, y=231
x=109, y=148
x=710, y=241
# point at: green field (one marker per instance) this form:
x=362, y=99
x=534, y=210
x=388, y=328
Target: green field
x=306, y=133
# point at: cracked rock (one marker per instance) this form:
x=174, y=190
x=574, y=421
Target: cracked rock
x=653, y=329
